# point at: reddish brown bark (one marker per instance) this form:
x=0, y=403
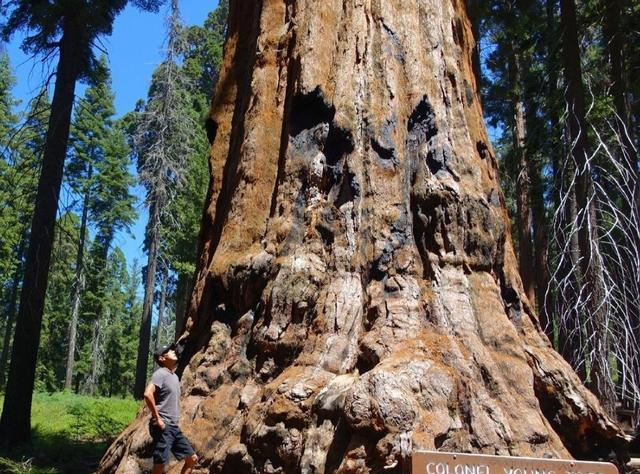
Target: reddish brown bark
x=523, y=182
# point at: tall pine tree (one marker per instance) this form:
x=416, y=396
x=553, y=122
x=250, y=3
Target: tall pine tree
x=68, y=28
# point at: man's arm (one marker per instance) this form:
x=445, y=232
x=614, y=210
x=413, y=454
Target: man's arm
x=150, y=400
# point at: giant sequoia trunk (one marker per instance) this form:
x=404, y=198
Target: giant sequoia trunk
x=357, y=294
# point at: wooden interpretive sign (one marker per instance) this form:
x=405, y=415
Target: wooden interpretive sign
x=434, y=462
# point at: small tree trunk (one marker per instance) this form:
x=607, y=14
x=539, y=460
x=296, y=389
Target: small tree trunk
x=541, y=239
x=614, y=42
x=592, y=290
x=522, y=180
x=162, y=305
x=147, y=305
x=15, y=424
x=91, y=385
x=78, y=286
x=11, y=310
x=570, y=329
x=554, y=142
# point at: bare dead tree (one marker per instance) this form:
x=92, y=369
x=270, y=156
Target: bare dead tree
x=161, y=142
x=618, y=224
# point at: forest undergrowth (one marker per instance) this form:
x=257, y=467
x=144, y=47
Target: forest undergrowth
x=70, y=433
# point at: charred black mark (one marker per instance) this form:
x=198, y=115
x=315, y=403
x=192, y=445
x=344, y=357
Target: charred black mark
x=389, y=31
x=312, y=126
x=384, y=153
x=421, y=128
x=444, y=223
x=468, y=91
x=309, y=110
x=396, y=45
x=440, y=158
x=512, y=303
x=439, y=440
x=425, y=230
x=349, y=190
x=457, y=29
x=489, y=381
x=483, y=149
x=339, y=444
x=423, y=120
x=436, y=160
x=588, y=443
x=211, y=127
x=327, y=227
x=510, y=297
x=367, y=360
x=339, y=143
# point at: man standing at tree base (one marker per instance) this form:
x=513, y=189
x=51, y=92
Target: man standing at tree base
x=162, y=396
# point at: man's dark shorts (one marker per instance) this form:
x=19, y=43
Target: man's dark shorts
x=170, y=439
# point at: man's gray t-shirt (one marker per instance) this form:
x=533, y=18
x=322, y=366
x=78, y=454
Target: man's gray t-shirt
x=167, y=395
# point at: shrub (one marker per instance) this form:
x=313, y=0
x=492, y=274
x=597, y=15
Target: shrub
x=7, y=466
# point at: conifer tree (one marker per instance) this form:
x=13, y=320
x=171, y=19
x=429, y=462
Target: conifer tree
x=120, y=338
x=88, y=135
x=70, y=29
x=8, y=122
x=18, y=181
x=52, y=353
x=162, y=140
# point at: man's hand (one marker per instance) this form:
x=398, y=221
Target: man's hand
x=150, y=400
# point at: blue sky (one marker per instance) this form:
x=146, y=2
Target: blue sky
x=134, y=50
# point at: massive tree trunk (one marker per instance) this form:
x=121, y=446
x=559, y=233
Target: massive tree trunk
x=357, y=294
x=15, y=424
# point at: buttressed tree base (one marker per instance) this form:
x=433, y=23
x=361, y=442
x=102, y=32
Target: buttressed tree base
x=357, y=294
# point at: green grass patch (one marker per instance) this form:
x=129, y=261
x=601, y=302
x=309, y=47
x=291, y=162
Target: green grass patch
x=70, y=433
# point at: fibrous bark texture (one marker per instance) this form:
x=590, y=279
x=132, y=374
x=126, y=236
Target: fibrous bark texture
x=357, y=295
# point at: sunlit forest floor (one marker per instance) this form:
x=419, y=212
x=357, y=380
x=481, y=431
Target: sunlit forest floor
x=70, y=433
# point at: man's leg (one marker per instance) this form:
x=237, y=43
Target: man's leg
x=182, y=449
x=189, y=462
x=162, y=441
